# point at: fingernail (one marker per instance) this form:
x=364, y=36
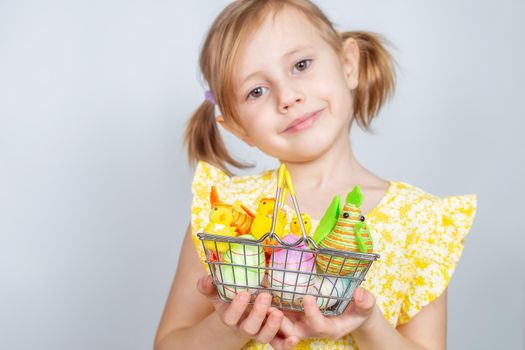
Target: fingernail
x=359, y=295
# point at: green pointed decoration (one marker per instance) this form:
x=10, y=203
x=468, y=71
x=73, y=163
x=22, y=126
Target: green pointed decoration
x=350, y=233
x=360, y=228
x=328, y=221
x=355, y=197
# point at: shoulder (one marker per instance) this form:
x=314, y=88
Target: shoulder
x=417, y=200
x=423, y=213
x=430, y=214
x=244, y=188
x=207, y=173
x=410, y=202
x=406, y=193
x=234, y=190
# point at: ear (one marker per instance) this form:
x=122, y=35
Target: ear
x=234, y=129
x=351, y=62
x=329, y=220
x=355, y=197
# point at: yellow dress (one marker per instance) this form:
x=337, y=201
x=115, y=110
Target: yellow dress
x=419, y=237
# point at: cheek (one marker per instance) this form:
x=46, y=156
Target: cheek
x=342, y=96
x=331, y=85
x=337, y=96
x=260, y=123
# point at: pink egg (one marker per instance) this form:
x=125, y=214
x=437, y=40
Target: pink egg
x=286, y=265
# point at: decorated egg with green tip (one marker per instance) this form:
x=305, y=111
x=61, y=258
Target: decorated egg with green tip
x=343, y=229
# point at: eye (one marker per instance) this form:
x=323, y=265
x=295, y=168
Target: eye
x=362, y=218
x=259, y=91
x=303, y=64
x=295, y=222
x=255, y=93
x=346, y=215
x=264, y=202
x=215, y=208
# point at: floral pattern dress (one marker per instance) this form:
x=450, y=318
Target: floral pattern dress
x=419, y=237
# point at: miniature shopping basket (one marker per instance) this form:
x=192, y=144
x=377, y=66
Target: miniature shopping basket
x=286, y=269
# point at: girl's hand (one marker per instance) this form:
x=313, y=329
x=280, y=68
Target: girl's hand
x=312, y=324
x=261, y=322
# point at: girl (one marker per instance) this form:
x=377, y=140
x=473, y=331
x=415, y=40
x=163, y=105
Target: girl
x=289, y=84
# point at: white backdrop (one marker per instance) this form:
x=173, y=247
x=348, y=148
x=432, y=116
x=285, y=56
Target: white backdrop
x=95, y=188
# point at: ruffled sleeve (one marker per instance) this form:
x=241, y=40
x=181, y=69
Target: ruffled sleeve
x=204, y=177
x=434, y=250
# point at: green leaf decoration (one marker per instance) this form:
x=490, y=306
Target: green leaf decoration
x=355, y=197
x=328, y=221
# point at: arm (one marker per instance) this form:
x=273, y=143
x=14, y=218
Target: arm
x=370, y=329
x=427, y=330
x=189, y=318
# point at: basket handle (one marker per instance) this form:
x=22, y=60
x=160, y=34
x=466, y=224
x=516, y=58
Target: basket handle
x=284, y=182
x=280, y=176
x=291, y=189
x=280, y=183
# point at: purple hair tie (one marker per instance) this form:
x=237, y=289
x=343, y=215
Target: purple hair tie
x=209, y=97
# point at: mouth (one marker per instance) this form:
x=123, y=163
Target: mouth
x=303, y=122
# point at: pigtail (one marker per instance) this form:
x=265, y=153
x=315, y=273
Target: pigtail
x=204, y=142
x=377, y=76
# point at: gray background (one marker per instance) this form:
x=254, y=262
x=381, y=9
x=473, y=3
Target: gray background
x=95, y=188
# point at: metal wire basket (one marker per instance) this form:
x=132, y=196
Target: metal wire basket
x=286, y=269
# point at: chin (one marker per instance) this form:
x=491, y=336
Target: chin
x=305, y=146
x=306, y=151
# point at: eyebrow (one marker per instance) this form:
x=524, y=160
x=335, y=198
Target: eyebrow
x=289, y=53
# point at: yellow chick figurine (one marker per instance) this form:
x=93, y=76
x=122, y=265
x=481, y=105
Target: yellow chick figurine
x=296, y=229
x=220, y=224
x=262, y=223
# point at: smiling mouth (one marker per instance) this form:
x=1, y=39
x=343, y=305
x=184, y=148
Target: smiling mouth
x=305, y=123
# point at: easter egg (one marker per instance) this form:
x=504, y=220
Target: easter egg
x=242, y=267
x=350, y=234
x=338, y=265
x=286, y=265
x=235, y=279
x=247, y=254
x=327, y=289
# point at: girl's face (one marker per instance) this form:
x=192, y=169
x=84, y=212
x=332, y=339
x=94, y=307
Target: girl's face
x=293, y=90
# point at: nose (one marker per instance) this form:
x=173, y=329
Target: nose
x=289, y=95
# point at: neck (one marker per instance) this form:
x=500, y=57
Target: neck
x=334, y=169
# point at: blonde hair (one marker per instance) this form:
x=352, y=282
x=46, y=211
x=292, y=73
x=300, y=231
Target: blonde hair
x=221, y=50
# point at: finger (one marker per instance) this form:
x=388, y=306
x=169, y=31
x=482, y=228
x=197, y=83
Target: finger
x=287, y=327
x=271, y=327
x=313, y=315
x=252, y=324
x=205, y=286
x=233, y=312
x=364, y=301
x=293, y=315
x=289, y=343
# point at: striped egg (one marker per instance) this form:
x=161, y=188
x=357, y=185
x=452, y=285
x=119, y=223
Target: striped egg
x=286, y=265
x=327, y=289
x=343, y=237
x=244, y=267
